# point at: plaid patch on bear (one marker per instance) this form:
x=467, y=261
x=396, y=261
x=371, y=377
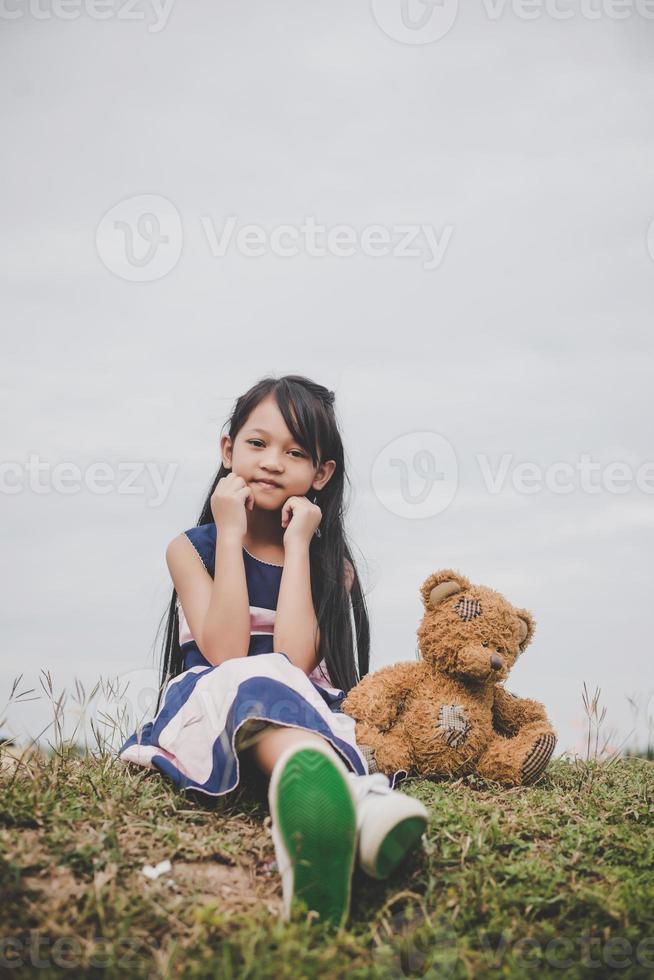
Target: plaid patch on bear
x=454, y=724
x=468, y=608
x=369, y=755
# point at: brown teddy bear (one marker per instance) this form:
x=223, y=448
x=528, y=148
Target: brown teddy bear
x=447, y=714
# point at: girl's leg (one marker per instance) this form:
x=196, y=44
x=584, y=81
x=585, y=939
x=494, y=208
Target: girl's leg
x=271, y=742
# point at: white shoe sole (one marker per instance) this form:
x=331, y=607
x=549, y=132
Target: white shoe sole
x=391, y=829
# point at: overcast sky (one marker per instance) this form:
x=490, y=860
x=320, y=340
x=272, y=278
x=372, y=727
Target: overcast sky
x=509, y=159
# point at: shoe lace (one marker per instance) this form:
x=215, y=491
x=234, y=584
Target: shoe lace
x=376, y=782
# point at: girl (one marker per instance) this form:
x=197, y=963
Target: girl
x=259, y=652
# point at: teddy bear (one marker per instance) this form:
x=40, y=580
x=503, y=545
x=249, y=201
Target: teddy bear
x=448, y=713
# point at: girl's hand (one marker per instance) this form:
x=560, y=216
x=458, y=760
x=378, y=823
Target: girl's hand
x=301, y=519
x=229, y=502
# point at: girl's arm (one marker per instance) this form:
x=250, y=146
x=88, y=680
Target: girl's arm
x=226, y=629
x=217, y=611
x=296, y=626
x=296, y=631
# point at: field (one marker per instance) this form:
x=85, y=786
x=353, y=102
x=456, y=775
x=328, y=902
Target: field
x=552, y=880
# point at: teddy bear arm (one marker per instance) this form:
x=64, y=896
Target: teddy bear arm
x=511, y=713
x=379, y=697
x=385, y=751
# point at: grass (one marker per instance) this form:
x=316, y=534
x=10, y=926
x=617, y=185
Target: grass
x=551, y=880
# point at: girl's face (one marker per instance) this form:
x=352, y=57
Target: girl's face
x=264, y=449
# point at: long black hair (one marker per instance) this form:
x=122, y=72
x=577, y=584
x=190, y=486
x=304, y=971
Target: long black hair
x=312, y=405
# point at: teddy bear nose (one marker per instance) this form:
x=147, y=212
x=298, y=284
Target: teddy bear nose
x=496, y=661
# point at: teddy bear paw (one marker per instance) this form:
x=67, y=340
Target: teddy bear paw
x=538, y=758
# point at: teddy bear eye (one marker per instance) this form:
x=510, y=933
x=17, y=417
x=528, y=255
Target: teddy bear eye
x=468, y=609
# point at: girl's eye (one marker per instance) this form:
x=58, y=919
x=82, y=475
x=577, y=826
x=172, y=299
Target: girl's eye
x=259, y=441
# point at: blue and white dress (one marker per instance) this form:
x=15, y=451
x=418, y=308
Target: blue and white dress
x=209, y=713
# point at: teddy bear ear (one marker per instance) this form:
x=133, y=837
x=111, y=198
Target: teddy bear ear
x=527, y=627
x=440, y=586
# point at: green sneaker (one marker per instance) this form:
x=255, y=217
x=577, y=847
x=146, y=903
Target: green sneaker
x=314, y=830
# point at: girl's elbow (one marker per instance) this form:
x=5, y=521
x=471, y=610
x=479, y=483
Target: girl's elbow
x=217, y=653
x=307, y=662
x=218, y=657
